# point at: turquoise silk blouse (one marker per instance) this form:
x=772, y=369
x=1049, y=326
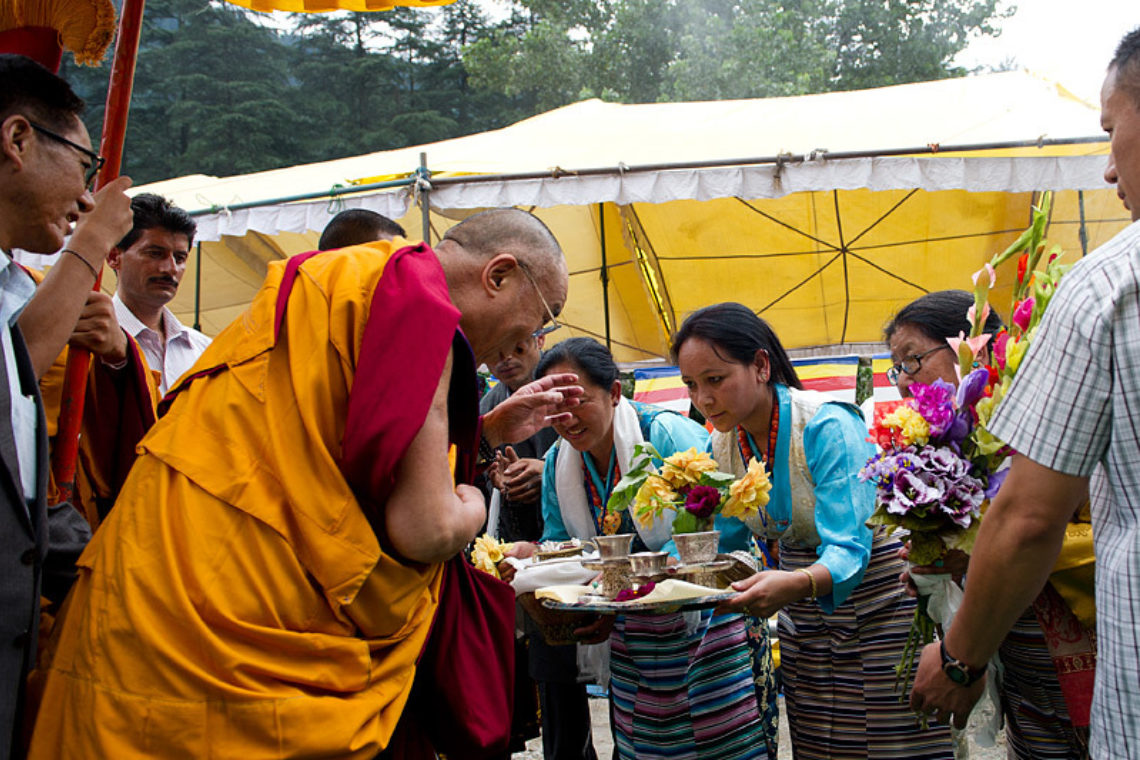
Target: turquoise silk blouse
x=836, y=448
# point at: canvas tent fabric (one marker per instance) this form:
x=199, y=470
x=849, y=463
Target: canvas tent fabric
x=824, y=213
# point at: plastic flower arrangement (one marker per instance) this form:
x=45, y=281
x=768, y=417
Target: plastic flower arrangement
x=690, y=485
x=488, y=552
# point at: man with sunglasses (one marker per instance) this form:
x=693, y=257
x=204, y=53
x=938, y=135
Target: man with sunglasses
x=287, y=538
x=46, y=166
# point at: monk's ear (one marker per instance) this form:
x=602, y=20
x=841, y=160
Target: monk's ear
x=497, y=273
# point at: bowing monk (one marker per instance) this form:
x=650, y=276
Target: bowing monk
x=271, y=569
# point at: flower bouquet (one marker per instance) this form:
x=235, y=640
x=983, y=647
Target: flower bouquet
x=689, y=485
x=939, y=465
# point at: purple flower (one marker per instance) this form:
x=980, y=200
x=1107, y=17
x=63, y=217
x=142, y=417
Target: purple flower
x=702, y=501
x=962, y=501
x=944, y=461
x=995, y=481
x=972, y=387
x=1023, y=313
x=935, y=402
x=910, y=491
x=960, y=427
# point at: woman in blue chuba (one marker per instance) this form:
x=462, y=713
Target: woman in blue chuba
x=682, y=684
x=844, y=617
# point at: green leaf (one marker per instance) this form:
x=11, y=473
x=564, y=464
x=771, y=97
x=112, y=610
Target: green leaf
x=716, y=479
x=686, y=522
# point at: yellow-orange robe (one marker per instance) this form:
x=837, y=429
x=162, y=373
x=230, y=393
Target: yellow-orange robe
x=237, y=603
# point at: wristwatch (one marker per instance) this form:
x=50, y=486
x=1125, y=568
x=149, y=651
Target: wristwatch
x=958, y=671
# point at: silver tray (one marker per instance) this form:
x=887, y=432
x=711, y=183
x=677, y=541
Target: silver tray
x=604, y=606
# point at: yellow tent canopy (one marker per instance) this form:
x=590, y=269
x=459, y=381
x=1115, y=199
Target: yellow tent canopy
x=825, y=213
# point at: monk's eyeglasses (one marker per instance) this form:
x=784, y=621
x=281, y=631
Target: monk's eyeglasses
x=90, y=170
x=553, y=323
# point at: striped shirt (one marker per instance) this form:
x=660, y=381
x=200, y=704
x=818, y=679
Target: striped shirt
x=1074, y=404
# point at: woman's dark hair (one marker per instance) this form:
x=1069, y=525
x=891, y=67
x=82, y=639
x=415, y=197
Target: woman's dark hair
x=586, y=354
x=733, y=329
x=941, y=315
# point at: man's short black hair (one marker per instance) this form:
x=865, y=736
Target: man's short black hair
x=356, y=226
x=155, y=211
x=29, y=89
x=1126, y=62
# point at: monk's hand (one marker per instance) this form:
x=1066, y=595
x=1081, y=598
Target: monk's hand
x=764, y=594
x=100, y=230
x=98, y=330
x=523, y=478
x=596, y=632
x=936, y=696
x=531, y=408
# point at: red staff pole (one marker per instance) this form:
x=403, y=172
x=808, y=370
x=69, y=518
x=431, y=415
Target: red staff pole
x=66, y=449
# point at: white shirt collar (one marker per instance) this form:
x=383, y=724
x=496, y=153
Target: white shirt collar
x=129, y=322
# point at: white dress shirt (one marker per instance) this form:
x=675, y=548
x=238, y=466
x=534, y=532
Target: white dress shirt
x=16, y=289
x=183, y=344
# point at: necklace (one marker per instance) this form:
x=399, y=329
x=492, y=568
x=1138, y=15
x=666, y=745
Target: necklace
x=746, y=451
x=606, y=522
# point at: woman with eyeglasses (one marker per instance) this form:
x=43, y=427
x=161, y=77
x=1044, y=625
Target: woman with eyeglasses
x=843, y=617
x=1056, y=633
x=681, y=684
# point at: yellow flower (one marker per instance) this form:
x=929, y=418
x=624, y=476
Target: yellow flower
x=910, y=424
x=487, y=553
x=652, y=498
x=1014, y=352
x=747, y=495
x=685, y=467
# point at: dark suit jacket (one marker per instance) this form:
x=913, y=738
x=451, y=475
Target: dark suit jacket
x=38, y=549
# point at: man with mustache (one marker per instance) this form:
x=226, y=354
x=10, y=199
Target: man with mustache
x=150, y=262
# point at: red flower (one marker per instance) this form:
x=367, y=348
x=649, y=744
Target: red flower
x=1022, y=265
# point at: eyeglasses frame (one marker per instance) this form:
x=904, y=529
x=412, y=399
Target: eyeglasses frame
x=97, y=161
x=895, y=370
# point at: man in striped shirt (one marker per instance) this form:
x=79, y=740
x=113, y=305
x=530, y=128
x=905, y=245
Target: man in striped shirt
x=1075, y=404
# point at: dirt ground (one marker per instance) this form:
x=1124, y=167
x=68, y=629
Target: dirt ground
x=603, y=743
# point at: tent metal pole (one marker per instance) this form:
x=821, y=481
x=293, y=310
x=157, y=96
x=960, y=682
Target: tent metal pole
x=605, y=270
x=425, y=194
x=335, y=192
x=1083, y=232
x=198, y=289
x=787, y=158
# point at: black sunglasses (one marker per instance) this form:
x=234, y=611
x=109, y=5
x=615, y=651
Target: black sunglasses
x=97, y=161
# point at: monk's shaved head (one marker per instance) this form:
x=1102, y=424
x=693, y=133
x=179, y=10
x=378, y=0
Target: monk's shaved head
x=510, y=230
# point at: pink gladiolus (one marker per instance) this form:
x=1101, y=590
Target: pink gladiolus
x=1023, y=313
x=999, y=349
x=972, y=311
x=989, y=270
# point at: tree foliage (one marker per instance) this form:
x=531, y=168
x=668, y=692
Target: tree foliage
x=220, y=90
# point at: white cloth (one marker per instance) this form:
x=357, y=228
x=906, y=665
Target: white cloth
x=531, y=575
x=183, y=344
x=16, y=289
x=572, y=498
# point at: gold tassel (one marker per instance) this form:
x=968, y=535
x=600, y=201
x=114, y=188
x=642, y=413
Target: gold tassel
x=85, y=27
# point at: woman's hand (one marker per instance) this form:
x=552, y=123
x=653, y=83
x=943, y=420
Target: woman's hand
x=954, y=562
x=767, y=592
x=596, y=632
